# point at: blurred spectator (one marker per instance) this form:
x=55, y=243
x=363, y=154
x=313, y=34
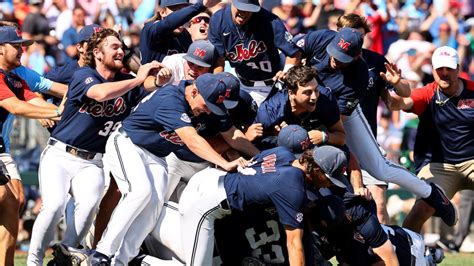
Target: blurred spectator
x=64, y=20
x=70, y=36
x=6, y=10
x=144, y=11
x=20, y=10
x=36, y=25
x=326, y=9
x=443, y=24
x=290, y=14
x=412, y=15
x=35, y=58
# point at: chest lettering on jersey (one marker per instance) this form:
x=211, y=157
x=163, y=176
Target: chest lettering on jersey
x=466, y=104
x=242, y=53
x=268, y=164
x=172, y=137
x=107, y=109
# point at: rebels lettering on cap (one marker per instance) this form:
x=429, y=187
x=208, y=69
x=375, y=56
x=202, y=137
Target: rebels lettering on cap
x=343, y=44
x=199, y=52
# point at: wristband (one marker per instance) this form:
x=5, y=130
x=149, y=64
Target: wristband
x=325, y=137
x=287, y=67
x=58, y=113
x=156, y=85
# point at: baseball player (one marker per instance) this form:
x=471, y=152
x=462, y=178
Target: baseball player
x=99, y=97
x=249, y=37
x=198, y=26
x=162, y=123
x=164, y=34
x=336, y=57
x=15, y=99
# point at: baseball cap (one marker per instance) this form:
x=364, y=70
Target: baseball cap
x=346, y=45
x=326, y=212
x=10, y=34
x=167, y=3
x=201, y=53
x=247, y=5
x=445, y=57
x=333, y=162
x=87, y=31
x=220, y=91
x=295, y=138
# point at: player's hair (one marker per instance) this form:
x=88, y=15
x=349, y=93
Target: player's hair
x=352, y=21
x=97, y=41
x=308, y=159
x=299, y=75
x=4, y=23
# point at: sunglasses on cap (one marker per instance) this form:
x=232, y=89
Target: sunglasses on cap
x=197, y=20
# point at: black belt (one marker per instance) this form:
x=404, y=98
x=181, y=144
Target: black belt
x=86, y=155
x=225, y=205
x=251, y=83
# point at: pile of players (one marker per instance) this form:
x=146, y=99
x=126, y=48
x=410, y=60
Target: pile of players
x=272, y=155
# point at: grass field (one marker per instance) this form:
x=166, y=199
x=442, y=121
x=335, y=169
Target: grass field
x=461, y=259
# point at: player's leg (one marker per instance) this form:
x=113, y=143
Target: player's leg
x=377, y=188
x=56, y=169
x=362, y=143
x=106, y=208
x=87, y=187
x=200, y=205
x=443, y=175
x=146, y=220
x=9, y=211
x=258, y=93
x=127, y=165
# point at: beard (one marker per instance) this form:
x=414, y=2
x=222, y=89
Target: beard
x=112, y=64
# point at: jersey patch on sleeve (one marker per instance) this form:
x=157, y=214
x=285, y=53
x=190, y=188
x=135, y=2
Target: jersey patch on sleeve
x=88, y=80
x=185, y=118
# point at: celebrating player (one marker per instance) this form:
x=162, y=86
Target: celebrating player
x=160, y=124
x=100, y=96
x=249, y=37
x=336, y=56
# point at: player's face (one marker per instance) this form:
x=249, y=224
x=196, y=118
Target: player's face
x=194, y=71
x=337, y=64
x=305, y=98
x=240, y=17
x=112, y=53
x=11, y=55
x=446, y=77
x=198, y=26
x=197, y=103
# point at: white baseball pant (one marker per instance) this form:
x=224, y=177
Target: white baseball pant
x=61, y=173
x=142, y=180
x=10, y=164
x=259, y=91
x=179, y=169
x=362, y=143
x=200, y=206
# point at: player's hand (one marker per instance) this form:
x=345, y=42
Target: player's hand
x=279, y=75
x=316, y=137
x=393, y=74
x=363, y=192
x=210, y=3
x=46, y=123
x=145, y=69
x=164, y=75
x=254, y=131
x=280, y=126
x=232, y=166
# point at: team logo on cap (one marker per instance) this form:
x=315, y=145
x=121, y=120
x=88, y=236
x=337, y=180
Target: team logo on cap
x=343, y=44
x=199, y=52
x=444, y=53
x=18, y=32
x=305, y=144
x=222, y=98
x=96, y=29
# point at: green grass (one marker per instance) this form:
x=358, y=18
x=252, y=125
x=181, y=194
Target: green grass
x=461, y=259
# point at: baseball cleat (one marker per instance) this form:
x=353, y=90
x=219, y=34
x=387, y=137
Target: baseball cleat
x=68, y=256
x=442, y=205
x=251, y=261
x=98, y=259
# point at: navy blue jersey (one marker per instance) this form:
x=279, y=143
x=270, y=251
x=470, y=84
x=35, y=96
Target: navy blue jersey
x=376, y=64
x=277, y=109
x=157, y=39
x=270, y=179
x=349, y=85
x=245, y=112
x=253, y=48
x=255, y=232
x=86, y=123
x=63, y=74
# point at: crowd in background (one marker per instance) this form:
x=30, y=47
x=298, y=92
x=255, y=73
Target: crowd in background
x=406, y=32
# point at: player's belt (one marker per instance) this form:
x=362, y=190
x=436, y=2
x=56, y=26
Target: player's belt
x=257, y=83
x=84, y=154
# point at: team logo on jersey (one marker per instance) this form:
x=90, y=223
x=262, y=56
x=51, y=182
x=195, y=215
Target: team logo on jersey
x=199, y=52
x=243, y=54
x=16, y=84
x=172, y=137
x=466, y=104
x=268, y=164
x=343, y=44
x=299, y=217
x=88, y=80
x=107, y=109
x=185, y=118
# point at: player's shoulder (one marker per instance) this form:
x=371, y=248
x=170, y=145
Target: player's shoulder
x=278, y=99
x=86, y=74
x=281, y=155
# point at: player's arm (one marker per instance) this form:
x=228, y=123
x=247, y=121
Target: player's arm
x=237, y=140
x=219, y=65
x=57, y=90
x=294, y=244
x=393, y=76
x=399, y=103
x=335, y=135
x=201, y=148
x=18, y=107
x=110, y=90
x=387, y=253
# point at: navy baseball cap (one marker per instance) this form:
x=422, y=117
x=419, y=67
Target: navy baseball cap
x=346, y=45
x=220, y=91
x=201, y=53
x=247, y=5
x=167, y=3
x=333, y=162
x=10, y=34
x=295, y=138
x=87, y=31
